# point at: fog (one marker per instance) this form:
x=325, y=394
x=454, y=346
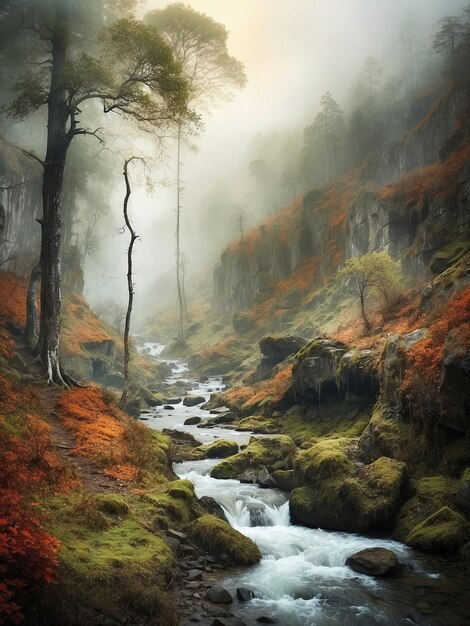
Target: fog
x=293, y=52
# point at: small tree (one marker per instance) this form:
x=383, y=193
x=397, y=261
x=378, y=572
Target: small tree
x=374, y=274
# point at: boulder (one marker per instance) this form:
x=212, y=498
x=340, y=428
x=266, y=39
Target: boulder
x=340, y=496
x=245, y=595
x=284, y=479
x=225, y=418
x=193, y=400
x=373, y=562
x=445, y=531
x=315, y=369
x=210, y=505
x=168, y=407
x=172, y=400
x=274, y=350
x=192, y=421
x=218, y=538
x=220, y=449
x=265, y=479
x=270, y=452
x=432, y=493
x=218, y=595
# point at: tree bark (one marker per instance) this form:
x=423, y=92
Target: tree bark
x=178, y=247
x=30, y=334
x=130, y=286
x=58, y=141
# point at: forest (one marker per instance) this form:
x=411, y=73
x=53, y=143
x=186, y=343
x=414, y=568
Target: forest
x=234, y=312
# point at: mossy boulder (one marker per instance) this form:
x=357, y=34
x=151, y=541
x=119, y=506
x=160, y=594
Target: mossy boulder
x=269, y=452
x=285, y=479
x=327, y=459
x=385, y=435
x=366, y=499
x=220, y=449
x=448, y=256
x=445, y=531
x=432, y=493
x=220, y=540
x=112, y=504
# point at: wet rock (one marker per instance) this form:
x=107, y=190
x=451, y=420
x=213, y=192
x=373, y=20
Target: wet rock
x=244, y=594
x=173, y=543
x=265, y=479
x=248, y=477
x=194, y=574
x=168, y=407
x=193, y=400
x=210, y=505
x=264, y=619
x=172, y=400
x=274, y=350
x=218, y=595
x=225, y=418
x=192, y=421
x=176, y=534
x=373, y=562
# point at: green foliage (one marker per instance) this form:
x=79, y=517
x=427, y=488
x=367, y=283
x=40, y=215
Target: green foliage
x=373, y=275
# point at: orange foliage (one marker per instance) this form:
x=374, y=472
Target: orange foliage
x=103, y=432
x=13, y=298
x=80, y=325
x=424, y=359
x=268, y=392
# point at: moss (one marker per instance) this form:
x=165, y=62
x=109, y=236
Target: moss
x=99, y=565
x=444, y=531
x=181, y=489
x=219, y=449
x=219, y=538
x=284, y=479
x=366, y=499
x=432, y=493
x=112, y=504
x=324, y=460
x=258, y=424
x=448, y=256
x=272, y=452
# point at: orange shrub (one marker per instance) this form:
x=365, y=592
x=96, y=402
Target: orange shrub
x=13, y=298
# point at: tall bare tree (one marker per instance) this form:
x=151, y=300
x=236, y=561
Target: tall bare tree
x=133, y=74
x=200, y=45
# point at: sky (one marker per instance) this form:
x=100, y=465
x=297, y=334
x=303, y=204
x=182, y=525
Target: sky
x=293, y=52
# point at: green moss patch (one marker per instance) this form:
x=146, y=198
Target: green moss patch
x=432, y=493
x=219, y=449
x=112, y=503
x=218, y=538
x=445, y=531
x=270, y=452
x=324, y=460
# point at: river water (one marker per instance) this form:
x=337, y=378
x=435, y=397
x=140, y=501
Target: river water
x=302, y=579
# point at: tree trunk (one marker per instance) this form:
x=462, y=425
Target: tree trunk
x=362, y=298
x=30, y=335
x=58, y=141
x=130, y=286
x=178, y=247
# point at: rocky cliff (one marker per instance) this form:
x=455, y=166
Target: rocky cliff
x=410, y=198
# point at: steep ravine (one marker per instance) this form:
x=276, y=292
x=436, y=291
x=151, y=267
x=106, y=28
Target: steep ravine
x=302, y=579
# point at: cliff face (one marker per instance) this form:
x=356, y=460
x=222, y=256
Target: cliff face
x=410, y=199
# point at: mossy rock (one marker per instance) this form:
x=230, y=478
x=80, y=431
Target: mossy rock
x=324, y=460
x=384, y=435
x=432, y=493
x=445, y=531
x=448, y=256
x=269, y=452
x=112, y=504
x=219, y=538
x=219, y=449
x=182, y=489
x=366, y=500
x=456, y=457
x=285, y=479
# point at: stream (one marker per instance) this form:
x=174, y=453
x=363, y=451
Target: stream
x=302, y=579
